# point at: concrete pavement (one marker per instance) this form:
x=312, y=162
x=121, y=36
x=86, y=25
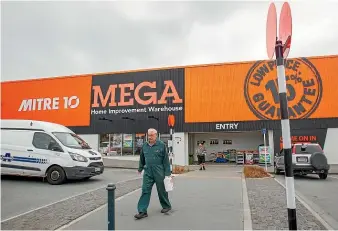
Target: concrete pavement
x=202, y=200
x=21, y=194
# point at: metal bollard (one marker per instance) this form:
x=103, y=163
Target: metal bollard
x=111, y=206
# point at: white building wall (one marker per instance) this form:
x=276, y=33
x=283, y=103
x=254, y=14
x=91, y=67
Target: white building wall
x=330, y=147
x=92, y=139
x=180, y=149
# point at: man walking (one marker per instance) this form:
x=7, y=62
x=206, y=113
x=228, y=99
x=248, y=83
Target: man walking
x=154, y=160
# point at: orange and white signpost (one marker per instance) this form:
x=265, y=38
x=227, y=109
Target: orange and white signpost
x=171, y=123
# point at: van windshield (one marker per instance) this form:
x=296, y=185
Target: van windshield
x=71, y=140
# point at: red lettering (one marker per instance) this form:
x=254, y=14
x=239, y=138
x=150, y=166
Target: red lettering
x=101, y=99
x=104, y=99
x=152, y=95
x=124, y=94
x=170, y=85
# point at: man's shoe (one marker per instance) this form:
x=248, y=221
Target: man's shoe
x=203, y=168
x=165, y=210
x=141, y=215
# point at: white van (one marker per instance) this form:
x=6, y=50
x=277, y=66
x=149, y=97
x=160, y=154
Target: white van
x=43, y=149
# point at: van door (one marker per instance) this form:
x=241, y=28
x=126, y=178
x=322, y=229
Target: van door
x=14, y=151
x=46, y=151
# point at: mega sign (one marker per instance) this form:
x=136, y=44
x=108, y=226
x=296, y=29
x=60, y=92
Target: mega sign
x=119, y=95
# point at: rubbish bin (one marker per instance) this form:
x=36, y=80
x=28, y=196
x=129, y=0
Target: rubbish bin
x=191, y=159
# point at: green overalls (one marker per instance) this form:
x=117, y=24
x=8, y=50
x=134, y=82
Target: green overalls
x=154, y=160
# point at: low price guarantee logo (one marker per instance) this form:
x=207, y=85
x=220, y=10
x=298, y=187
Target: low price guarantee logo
x=303, y=84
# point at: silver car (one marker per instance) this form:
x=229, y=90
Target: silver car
x=307, y=158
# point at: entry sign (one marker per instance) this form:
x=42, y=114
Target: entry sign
x=264, y=131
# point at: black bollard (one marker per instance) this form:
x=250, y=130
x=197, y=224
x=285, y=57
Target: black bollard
x=111, y=206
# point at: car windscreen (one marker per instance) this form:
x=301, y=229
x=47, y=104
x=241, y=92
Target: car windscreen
x=71, y=140
x=308, y=149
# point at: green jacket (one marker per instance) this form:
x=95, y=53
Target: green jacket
x=154, y=156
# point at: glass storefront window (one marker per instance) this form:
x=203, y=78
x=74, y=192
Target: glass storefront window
x=139, y=140
x=126, y=144
x=122, y=144
x=127, y=147
x=115, y=144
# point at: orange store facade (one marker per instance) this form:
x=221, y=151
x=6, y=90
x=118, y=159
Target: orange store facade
x=216, y=101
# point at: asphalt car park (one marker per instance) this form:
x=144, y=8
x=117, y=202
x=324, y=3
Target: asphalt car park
x=321, y=195
x=23, y=194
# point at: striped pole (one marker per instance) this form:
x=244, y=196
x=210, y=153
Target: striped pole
x=285, y=123
x=171, y=149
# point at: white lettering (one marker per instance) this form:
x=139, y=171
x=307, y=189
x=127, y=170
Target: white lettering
x=65, y=102
x=75, y=104
x=227, y=126
x=39, y=101
x=98, y=112
x=55, y=104
x=26, y=105
x=46, y=104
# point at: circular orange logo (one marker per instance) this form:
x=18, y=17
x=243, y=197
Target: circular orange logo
x=303, y=84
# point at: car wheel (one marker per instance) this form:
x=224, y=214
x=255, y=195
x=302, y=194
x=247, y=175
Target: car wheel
x=276, y=170
x=56, y=175
x=322, y=176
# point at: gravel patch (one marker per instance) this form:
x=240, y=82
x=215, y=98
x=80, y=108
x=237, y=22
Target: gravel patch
x=267, y=201
x=59, y=214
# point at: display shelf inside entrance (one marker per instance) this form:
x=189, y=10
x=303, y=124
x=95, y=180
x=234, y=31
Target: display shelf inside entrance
x=240, y=157
x=249, y=157
x=232, y=155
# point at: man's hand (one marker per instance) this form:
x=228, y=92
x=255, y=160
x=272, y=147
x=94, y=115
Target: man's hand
x=139, y=173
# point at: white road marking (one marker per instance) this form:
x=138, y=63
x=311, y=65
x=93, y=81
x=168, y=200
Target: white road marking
x=334, y=177
x=64, y=199
x=246, y=206
x=95, y=210
x=323, y=217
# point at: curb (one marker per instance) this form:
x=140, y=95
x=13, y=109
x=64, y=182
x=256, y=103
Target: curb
x=247, y=221
x=309, y=206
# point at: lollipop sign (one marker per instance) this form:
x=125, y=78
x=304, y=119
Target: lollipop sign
x=281, y=47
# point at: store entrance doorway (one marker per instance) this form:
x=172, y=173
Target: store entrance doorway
x=226, y=148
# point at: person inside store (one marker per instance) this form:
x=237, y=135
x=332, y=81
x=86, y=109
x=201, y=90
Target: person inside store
x=154, y=161
x=201, y=153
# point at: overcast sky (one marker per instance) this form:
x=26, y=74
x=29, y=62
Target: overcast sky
x=45, y=39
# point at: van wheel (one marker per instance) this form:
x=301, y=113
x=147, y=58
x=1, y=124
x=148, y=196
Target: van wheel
x=56, y=175
x=322, y=176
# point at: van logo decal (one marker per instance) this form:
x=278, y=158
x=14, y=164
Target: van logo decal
x=6, y=157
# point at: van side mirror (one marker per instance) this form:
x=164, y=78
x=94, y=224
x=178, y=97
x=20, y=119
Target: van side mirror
x=56, y=149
